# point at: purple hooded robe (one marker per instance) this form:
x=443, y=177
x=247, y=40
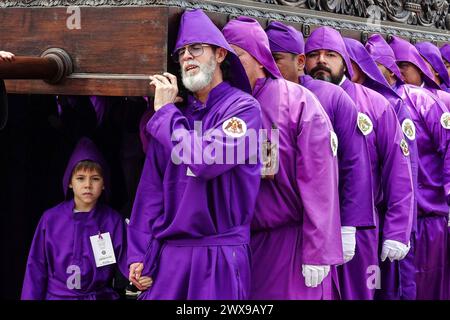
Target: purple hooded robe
x=61, y=250
x=297, y=211
x=430, y=117
x=390, y=167
x=190, y=224
x=396, y=278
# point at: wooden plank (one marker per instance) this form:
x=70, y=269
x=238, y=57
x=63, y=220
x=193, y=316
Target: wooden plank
x=112, y=47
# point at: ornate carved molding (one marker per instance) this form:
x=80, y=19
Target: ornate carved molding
x=372, y=12
x=427, y=13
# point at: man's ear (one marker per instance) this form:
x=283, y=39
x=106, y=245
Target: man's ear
x=70, y=186
x=221, y=54
x=301, y=60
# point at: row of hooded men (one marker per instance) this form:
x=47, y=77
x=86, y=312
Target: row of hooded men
x=357, y=208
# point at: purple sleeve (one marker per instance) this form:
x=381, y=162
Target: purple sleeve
x=317, y=181
x=148, y=205
x=441, y=138
x=355, y=175
x=35, y=281
x=396, y=178
x=171, y=128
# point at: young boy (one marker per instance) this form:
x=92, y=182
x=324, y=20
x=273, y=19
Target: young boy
x=78, y=243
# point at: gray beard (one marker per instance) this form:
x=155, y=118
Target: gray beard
x=203, y=77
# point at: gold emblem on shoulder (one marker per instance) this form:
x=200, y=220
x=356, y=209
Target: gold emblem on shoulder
x=445, y=120
x=364, y=123
x=234, y=127
x=409, y=129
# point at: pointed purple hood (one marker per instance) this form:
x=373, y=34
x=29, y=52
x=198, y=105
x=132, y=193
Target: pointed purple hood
x=432, y=54
x=362, y=58
x=405, y=51
x=283, y=38
x=247, y=34
x=86, y=150
x=326, y=38
x=445, y=52
x=381, y=52
x=196, y=27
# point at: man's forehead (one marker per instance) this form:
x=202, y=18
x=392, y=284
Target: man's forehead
x=324, y=51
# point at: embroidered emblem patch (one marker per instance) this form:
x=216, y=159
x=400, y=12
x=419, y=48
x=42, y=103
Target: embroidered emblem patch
x=409, y=129
x=364, y=124
x=445, y=120
x=334, y=143
x=234, y=127
x=404, y=146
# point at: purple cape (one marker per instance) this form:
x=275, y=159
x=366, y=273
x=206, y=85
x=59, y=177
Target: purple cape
x=432, y=54
x=259, y=49
x=196, y=27
x=61, y=248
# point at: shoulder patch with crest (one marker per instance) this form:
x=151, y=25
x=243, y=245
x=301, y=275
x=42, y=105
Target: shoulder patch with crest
x=404, y=146
x=234, y=127
x=445, y=120
x=409, y=129
x=364, y=123
x=334, y=143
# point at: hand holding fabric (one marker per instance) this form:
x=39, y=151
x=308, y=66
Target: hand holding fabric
x=314, y=275
x=6, y=56
x=394, y=250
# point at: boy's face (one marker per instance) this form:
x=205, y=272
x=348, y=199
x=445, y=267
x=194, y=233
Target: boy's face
x=87, y=187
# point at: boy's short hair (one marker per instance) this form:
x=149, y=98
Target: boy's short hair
x=88, y=165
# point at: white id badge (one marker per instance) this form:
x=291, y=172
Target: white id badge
x=103, y=249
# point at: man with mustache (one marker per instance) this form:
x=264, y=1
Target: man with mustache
x=296, y=230
x=328, y=59
x=429, y=245
x=355, y=185
x=190, y=224
x=397, y=281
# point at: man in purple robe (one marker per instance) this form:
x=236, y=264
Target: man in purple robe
x=356, y=204
x=296, y=227
x=190, y=224
x=415, y=70
x=327, y=59
x=433, y=59
x=432, y=134
x=62, y=264
x=396, y=278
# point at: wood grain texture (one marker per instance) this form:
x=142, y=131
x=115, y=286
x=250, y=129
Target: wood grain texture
x=111, y=42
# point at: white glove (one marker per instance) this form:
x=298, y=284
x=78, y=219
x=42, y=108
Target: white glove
x=314, y=275
x=394, y=250
x=348, y=242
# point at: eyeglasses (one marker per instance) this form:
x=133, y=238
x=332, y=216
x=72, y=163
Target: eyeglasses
x=194, y=50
